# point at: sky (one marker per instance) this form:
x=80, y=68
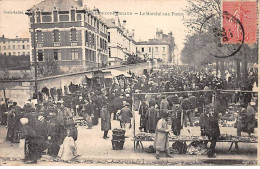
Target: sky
x=17, y=24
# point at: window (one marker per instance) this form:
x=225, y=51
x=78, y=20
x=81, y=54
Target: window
x=39, y=35
x=73, y=14
x=13, y=46
x=55, y=16
x=149, y=49
x=74, y=54
x=109, y=52
x=156, y=49
x=142, y=49
x=73, y=34
x=56, y=36
x=23, y=53
x=5, y=53
x=108, y=37
x=4, y=47
x=38, y=16
x=8, y=46
x=9, y=53
x=57, y=55
x=18, y=46
x=40, y=55
x=28, y=46
x=87, y=36
x=23, y=46
x=14, y=53
x=18, y=53
x=163, y=49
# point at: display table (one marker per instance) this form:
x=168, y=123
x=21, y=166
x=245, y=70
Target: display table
x=138, y=142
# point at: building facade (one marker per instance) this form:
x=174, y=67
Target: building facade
x=69, y=34
x=121, y=42
x=14, y=46
x=153, y=49
x=169, y=39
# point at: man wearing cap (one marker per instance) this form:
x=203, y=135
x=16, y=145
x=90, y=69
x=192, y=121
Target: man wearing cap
x=212, y=131
x=126, y=115
x=251, y=121
x=105, y=120
x=186, y=105
x=161, y=140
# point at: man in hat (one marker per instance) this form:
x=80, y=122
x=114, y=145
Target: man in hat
x=105, y=120
x=161, y=140
x=30, y=136
x=186, y=106
x=126, y=115
x=88, y=112
x=164, y=105
x=212, y=131
x=41, y=130
x=142, y=112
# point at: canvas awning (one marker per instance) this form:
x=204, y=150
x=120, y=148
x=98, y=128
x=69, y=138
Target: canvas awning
x=115, y=73
x=89, y=75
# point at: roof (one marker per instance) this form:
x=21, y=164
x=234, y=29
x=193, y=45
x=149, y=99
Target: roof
x=152, y=42
x=3, y=39
x=62, y=5
x=110, y=24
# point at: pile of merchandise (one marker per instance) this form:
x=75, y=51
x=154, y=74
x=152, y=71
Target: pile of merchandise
x=144, y=136
x=196, y=148
x=238, y=138
x=80, y=121
x=194, y=138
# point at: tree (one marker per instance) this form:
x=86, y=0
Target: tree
x=204, y=16
x=49, y=68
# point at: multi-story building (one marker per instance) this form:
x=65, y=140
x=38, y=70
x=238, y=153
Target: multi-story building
x=121, y=42
x=153, y=49
x=167, y=38
x=161, y=47
x=14, y=46
x=68, y=33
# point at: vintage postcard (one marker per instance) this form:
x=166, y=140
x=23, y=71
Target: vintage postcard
x=129, y=83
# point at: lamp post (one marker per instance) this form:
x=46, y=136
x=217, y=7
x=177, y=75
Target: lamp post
x=31, y=13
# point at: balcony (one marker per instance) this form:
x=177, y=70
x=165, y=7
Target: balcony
x=39, y=45
x=56, y=44
x=74, y=43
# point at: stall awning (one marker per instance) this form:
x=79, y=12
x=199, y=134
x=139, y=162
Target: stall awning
x=116, y=73
x=89, y=75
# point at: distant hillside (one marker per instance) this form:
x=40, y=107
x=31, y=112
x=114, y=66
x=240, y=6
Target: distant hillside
x=14, y=62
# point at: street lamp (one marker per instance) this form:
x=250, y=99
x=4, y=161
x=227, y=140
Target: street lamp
x=31, y=13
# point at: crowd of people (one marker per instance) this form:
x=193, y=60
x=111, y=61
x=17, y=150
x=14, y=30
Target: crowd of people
x=50, y=125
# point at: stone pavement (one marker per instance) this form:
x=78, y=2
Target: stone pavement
x=93, y=149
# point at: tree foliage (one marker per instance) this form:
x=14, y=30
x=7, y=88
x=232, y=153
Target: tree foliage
x=49, y=68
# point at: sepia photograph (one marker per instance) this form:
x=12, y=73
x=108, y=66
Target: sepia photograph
x=129, y=83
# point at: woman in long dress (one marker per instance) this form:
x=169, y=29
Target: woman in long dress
x=68, y=149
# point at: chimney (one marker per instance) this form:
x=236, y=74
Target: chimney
x=116, y=18
x=80, y=2
x=133, y=33
x=124, y=23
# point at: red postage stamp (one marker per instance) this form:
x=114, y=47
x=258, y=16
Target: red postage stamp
x=246, y=13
